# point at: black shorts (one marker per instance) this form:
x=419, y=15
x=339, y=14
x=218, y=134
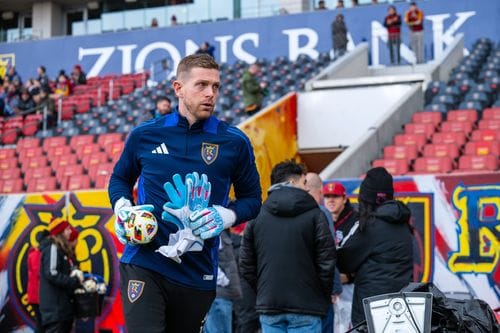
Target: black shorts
x=153, y=304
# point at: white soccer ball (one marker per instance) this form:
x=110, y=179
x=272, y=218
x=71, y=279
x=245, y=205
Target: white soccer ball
x=141, y=227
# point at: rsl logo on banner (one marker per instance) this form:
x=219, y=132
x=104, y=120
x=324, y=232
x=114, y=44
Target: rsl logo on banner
x=6, y=60
x=209, y=152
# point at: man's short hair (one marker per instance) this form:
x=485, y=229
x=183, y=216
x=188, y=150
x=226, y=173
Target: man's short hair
x=163, y=98
x=286, y=171
x=196, y=60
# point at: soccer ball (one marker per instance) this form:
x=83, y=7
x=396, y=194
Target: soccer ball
x=141, y=227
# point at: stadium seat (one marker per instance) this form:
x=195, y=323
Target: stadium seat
x=60, y=161
x=441, y=149
x=81, y=140
x=418, y=140
x=426, y=129
x=491, y=113
x=105, y=139
x=94, y=159
x=456, y=126
x=449, y=137
x=34, y=162
x=68, y=170
x=11, y=185
x=478, y=163
x=42, y=184
x=10, y=135
x=54, y=141
x=492, y=124
x=27, y=143
x=7, y=153
x=114, y=149
x=58, y=151
x=479, y=148
x=100, y=169
x=30, y=152
x=76, y=182
x=87, y=149
x=34, y=173
x=433, y=165
x=13, y=173
x=462, y=115
x=407, y=153
x=427, y=117
x=485, y=135
x=102, y=181
x=8, y=163
x=393, y=166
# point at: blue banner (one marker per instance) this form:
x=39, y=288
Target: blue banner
x=249, y=39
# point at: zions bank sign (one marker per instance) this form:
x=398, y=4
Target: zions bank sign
x=250, y=39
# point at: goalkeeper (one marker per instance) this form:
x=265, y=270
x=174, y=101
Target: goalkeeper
x=161, y=292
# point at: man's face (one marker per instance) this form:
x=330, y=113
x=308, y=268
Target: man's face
x=197, y=91
x=334, y=203
x=163, y=107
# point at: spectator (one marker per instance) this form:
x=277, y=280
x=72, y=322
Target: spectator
x=253, y=91
x=321, y=5
x=288, y=255
x=393, y=24
x=380, y=251
x=43, y=100
x=344, y=217
x=340, y=4
x=63, y=86
x=42, y=77
x=25, y=102
x=220, y=316
x=206, y=48
x=339, y=36
x=414, y=18
x=11, y=99
x=354, y=3
x=57, y=286
x=13, y=76
x=34, y=255
x=163, y=107
x=154, y=23
x=78, y=76
x=315, y=189
x=173, y=21
x=176, y=146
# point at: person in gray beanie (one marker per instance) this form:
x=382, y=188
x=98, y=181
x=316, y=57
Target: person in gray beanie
x=380, y=250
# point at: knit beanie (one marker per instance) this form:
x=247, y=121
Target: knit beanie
x=57, y=225
x=377, y=186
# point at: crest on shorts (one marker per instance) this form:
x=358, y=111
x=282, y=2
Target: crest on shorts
x=134, y=290
x=209, y=152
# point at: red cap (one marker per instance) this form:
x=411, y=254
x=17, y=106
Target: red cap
x=57, y=225
x=334, y=189
x=74, y=234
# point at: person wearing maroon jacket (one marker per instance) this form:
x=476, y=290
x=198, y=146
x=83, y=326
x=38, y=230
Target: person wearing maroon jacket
x=393, y=24
x=414, y=18
x=34, y=255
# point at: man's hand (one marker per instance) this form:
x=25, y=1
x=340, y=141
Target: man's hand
x=123, y=209
x=210, y=222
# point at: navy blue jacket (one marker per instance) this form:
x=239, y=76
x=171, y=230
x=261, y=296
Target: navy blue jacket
x=162, y=147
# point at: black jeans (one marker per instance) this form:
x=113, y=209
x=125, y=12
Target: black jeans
x=153, y=304
x=58, y=327
x=394, y=42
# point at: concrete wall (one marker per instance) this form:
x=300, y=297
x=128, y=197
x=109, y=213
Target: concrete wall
x=47, y=18
x=451, y=57
x=357, y=159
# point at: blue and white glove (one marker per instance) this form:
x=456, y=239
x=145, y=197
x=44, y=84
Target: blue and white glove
x=211, y=221
x=123, y=208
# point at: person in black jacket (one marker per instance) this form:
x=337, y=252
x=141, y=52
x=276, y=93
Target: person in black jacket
x=57, y=286
x=288, y=255
x=380, y=251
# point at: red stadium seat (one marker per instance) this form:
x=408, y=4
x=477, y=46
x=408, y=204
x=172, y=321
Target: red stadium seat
x=88, y=149
x=81, y=140
x=94, y=159
x=462, y=115
x=60, y=161
x=114, y=149
x=456, y=126
x=7, y=153
x=427, y=117
x=13, y=173
x=407, y=153
x=105, y=139
x=58, y=151
x=100, y=169
x=393, y=166
x=441, y=149
x=27, y=143
x=418, y=140
x=42, y=184
x=30, y=152
x=492, y=124
x=426, y=129
x=449, y=137
x=102, y=181
x=433, y=165
x=9, y=135
x=8, y=163
x=34, y=173
x=76, y=182
x=11, y=186
x=54, y=141
x=482, y=148
x=485, y=135
x=491, y=113
x=478, y=163
x=34, y=162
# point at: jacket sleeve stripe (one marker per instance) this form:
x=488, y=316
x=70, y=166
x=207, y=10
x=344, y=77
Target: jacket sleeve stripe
x=53, y=260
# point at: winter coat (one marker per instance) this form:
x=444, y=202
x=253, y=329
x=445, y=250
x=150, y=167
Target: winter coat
x=56, y=286
x=381, y=256
x=346, y=220
x=339, y=35
x=227, y=263
x=252, y=92
x=34, y=255
x=288, y=254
